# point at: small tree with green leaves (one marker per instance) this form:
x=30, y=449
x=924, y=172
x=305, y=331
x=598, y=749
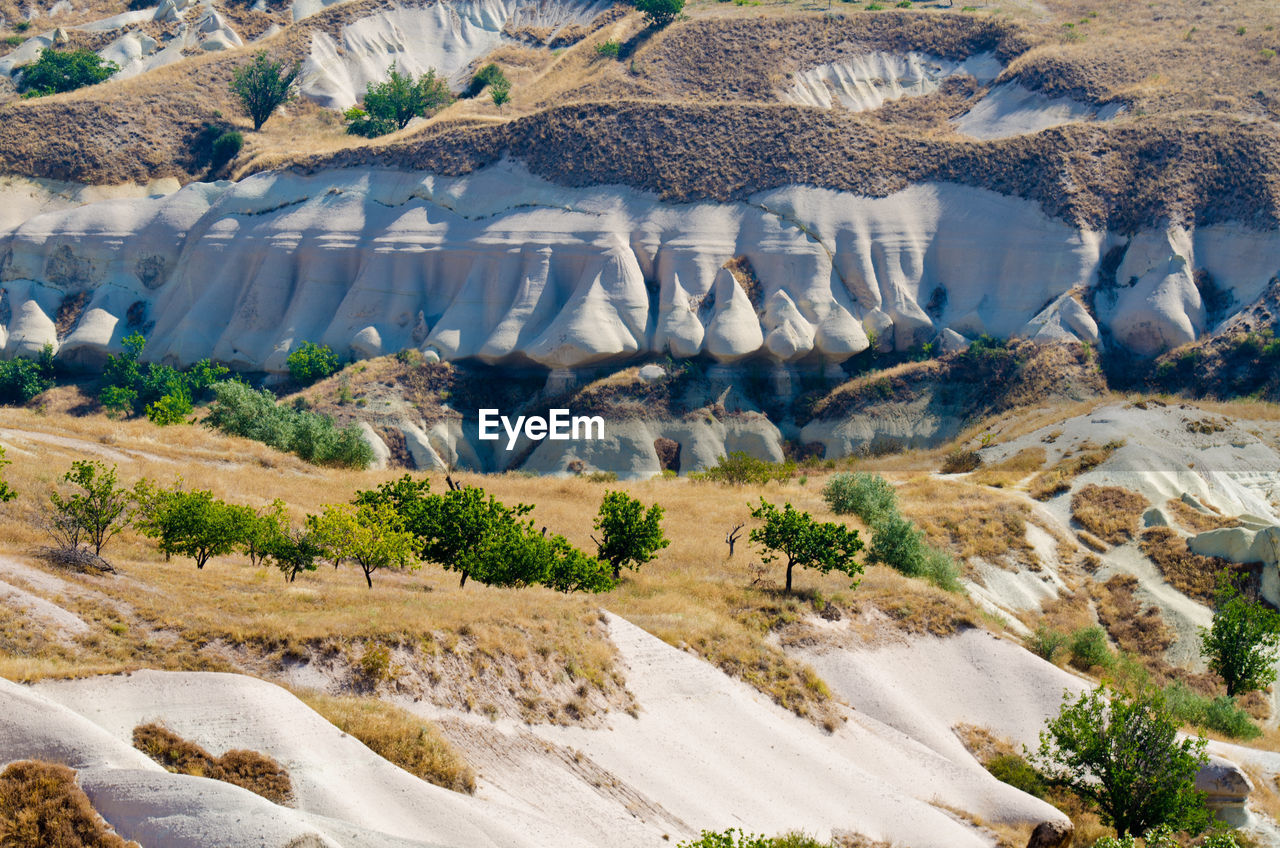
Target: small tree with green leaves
x=1241, y=644
x=868, y=496
x=311, y=362
x=659, y=13
x=264, y=85
x=95, y=510
x=488, y=75
x=22, y=379
x=500, y=93
x=263, y=529
x=391, y=105
x=793, y=535
x=630, y=536
x=294, y=551
x=469, y=528
x=372, y=536
x=1123, y=754
x=63, y=70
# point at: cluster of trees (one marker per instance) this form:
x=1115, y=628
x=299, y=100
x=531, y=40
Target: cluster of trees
x=400, y=524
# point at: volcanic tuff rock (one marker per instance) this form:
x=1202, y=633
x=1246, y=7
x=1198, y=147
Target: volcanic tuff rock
x=504, y=267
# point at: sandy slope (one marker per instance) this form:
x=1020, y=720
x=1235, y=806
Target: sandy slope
x=695, y=731
x=333, y=774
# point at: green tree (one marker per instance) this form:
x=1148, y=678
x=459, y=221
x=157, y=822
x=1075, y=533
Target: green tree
x=311, y=362
x=372, y=536
x=391, y=105
x=1123, y=754
x=294, y=551
x=630, y=536
x=172, y=408
x=194, y=524
x=660, y=13
x=488, y=75
x=94, y=512
x=1241, y=643
x=262, y=529
x=470, y=527
x=264, y=85
x=500, y=93
x=791, y=534
x=63, y=70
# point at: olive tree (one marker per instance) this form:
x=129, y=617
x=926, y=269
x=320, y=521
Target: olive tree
x=1241, y=643
x=630, y=535
x=1123, y=754
x=793, y=535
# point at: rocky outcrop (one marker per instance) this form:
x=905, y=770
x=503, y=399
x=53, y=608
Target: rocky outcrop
x=1051, y=834
x=1226, y=790
x=505, y=268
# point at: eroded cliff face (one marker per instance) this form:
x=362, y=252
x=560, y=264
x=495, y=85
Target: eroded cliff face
x=505, y=268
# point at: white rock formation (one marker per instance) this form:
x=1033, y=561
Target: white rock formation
x=868, y=81
x=1011, y=109
x=503, y=267
x=446, y=36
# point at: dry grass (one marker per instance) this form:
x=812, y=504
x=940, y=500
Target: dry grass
x=970, y=521
x=1006, y=473
x=41, y=806
x=250, y=770
x=400, y=737
x=231, y=616
x=1057, y=479
x=1134, y=630
x=1196, y=521
x=1191, y=574
x=1109, y=512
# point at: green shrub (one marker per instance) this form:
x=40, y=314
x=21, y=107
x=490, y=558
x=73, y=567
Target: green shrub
x=899, y=544
x=225, y=148
x=311, y=362
x=868, y=496
x=1089, y=648
x=486, y=76
x=1219, y=714
x=1018, y=773
x=63, y=70
x=608, y=49
x=1046, y=643
x=23, y=379
x=241, y=411
x=740, y=468
x=734, y=838
x=13, y=40
x=170, y=409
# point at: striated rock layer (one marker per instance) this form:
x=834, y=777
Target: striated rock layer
x=506, y=268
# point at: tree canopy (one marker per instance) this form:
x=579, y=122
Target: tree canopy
x=630, y=536
x=264, y=85
x=63, y=70
x=794, y=536
x=1123, y=754
x=1241, y=643
x=389, y=106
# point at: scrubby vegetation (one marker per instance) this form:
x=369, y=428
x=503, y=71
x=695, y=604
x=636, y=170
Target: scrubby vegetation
x=1057, y=479
x=41, y=806
x=1108, y=512
x=1242, y=643
x=242, y=411
x=310, y=362
x=739, y=468
x=250, y=770
x=400, y=737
